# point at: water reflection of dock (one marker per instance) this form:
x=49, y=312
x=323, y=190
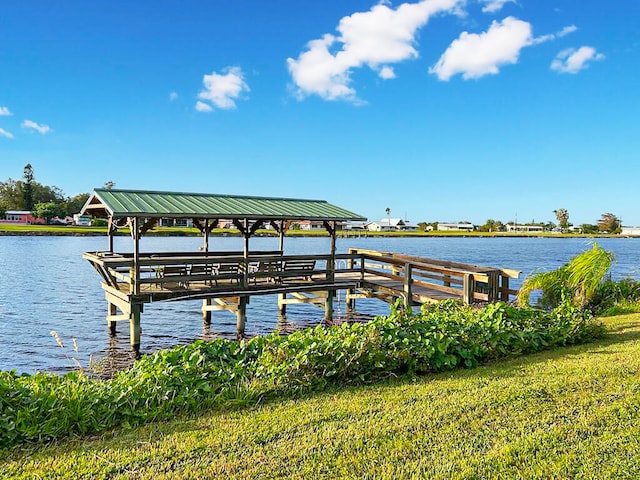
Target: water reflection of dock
x=228, y=280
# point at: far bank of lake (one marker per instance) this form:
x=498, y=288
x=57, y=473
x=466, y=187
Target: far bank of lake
x=7, y=229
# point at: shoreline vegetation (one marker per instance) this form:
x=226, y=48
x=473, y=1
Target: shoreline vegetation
x=564, y=412
x=64, y=230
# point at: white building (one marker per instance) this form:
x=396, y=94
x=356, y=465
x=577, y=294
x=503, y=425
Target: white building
x=630, y=231
x=457, y=227
x=391, y=225
x=524, y=228
x=175, y=222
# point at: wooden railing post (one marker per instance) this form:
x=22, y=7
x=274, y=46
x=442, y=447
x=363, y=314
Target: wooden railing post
x=408, y=295
x=468, y=288
x=493, y=286
x=504, y=288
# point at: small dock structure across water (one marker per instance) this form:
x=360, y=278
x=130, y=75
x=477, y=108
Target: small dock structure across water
x=227, y=280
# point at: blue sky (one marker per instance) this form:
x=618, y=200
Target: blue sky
x=441, y=110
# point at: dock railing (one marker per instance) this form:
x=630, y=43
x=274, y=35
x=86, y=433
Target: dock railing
x=471, y=283
x=218, y=269
x=262, y=270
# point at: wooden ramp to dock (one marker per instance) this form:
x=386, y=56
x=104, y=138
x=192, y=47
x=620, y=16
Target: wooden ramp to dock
x=418, y=280
x=227, y=280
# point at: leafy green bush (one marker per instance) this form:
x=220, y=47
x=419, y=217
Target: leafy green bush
x=613, y=296
x=223, y=373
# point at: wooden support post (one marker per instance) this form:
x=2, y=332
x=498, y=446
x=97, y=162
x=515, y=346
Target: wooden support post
x=134, y=326
x=281, y=235
x=468, y=287
x=135, y=271
x=112, y=311
x=110, y=229
x=408, y=294
x=350, y=302
x=282, y=306
x=328, y=306
x=493, y=293
x=206, y=313
x=241, y=316
x=504, y=289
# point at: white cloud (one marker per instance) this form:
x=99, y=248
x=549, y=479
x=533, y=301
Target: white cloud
x=203, y=107
x=387, y=73
x=572, y=60
x=492, y=6
x=35, y=126
x=378, y=37
x=222, y=89
x=4, y=112
x=173, y=96
x=4, y=133
x=475, y=55
x=567, y=30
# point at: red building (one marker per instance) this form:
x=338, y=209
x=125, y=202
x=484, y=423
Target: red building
x=23, y=217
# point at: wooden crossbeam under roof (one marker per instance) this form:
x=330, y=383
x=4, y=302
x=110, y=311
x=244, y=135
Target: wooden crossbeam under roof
x=152, y=204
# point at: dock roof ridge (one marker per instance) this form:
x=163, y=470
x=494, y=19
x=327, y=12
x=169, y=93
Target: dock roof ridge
x=202, y=194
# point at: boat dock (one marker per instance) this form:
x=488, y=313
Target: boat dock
x=227, y=280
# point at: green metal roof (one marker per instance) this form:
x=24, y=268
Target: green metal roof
x=149, y=204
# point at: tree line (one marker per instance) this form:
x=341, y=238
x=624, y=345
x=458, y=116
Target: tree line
x=608, y=223
x=43, y=201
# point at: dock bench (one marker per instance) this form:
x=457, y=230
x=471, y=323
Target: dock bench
x=302, y=268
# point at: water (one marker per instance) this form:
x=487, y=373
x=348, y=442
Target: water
x=45, y=285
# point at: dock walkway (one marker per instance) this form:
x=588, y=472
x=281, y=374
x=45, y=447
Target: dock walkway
x=226, y=280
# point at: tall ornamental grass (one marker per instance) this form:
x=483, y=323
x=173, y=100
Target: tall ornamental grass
x=223, y=373
x=577, y=281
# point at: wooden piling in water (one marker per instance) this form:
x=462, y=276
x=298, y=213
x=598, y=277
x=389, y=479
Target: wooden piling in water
x=134, y=326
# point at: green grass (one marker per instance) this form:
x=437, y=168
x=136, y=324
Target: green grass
x=14, y=229
x=566, y=413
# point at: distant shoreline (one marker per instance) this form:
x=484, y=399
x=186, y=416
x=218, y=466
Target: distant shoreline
x=70, y=231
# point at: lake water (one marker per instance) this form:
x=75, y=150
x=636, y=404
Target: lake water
x=45, y=285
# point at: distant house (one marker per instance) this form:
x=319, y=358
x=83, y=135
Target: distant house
x=355, y=226
x=456, y=227
x=391, y=225
x=316, y=225
x=630, y=231
x=310, y=225
x=23, y=217
x=524, y=228
x=175, y=222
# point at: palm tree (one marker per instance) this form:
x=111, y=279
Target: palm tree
x=388, y=210
x=578, y=280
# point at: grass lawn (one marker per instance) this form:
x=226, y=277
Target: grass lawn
x=567, y=413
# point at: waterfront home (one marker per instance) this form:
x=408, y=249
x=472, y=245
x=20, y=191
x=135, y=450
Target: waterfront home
x=23, y=217
x=355, y=226
x=630, y=231
x=457, y=227
x=524, y=228
x=175, y=222
x=391, y=225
